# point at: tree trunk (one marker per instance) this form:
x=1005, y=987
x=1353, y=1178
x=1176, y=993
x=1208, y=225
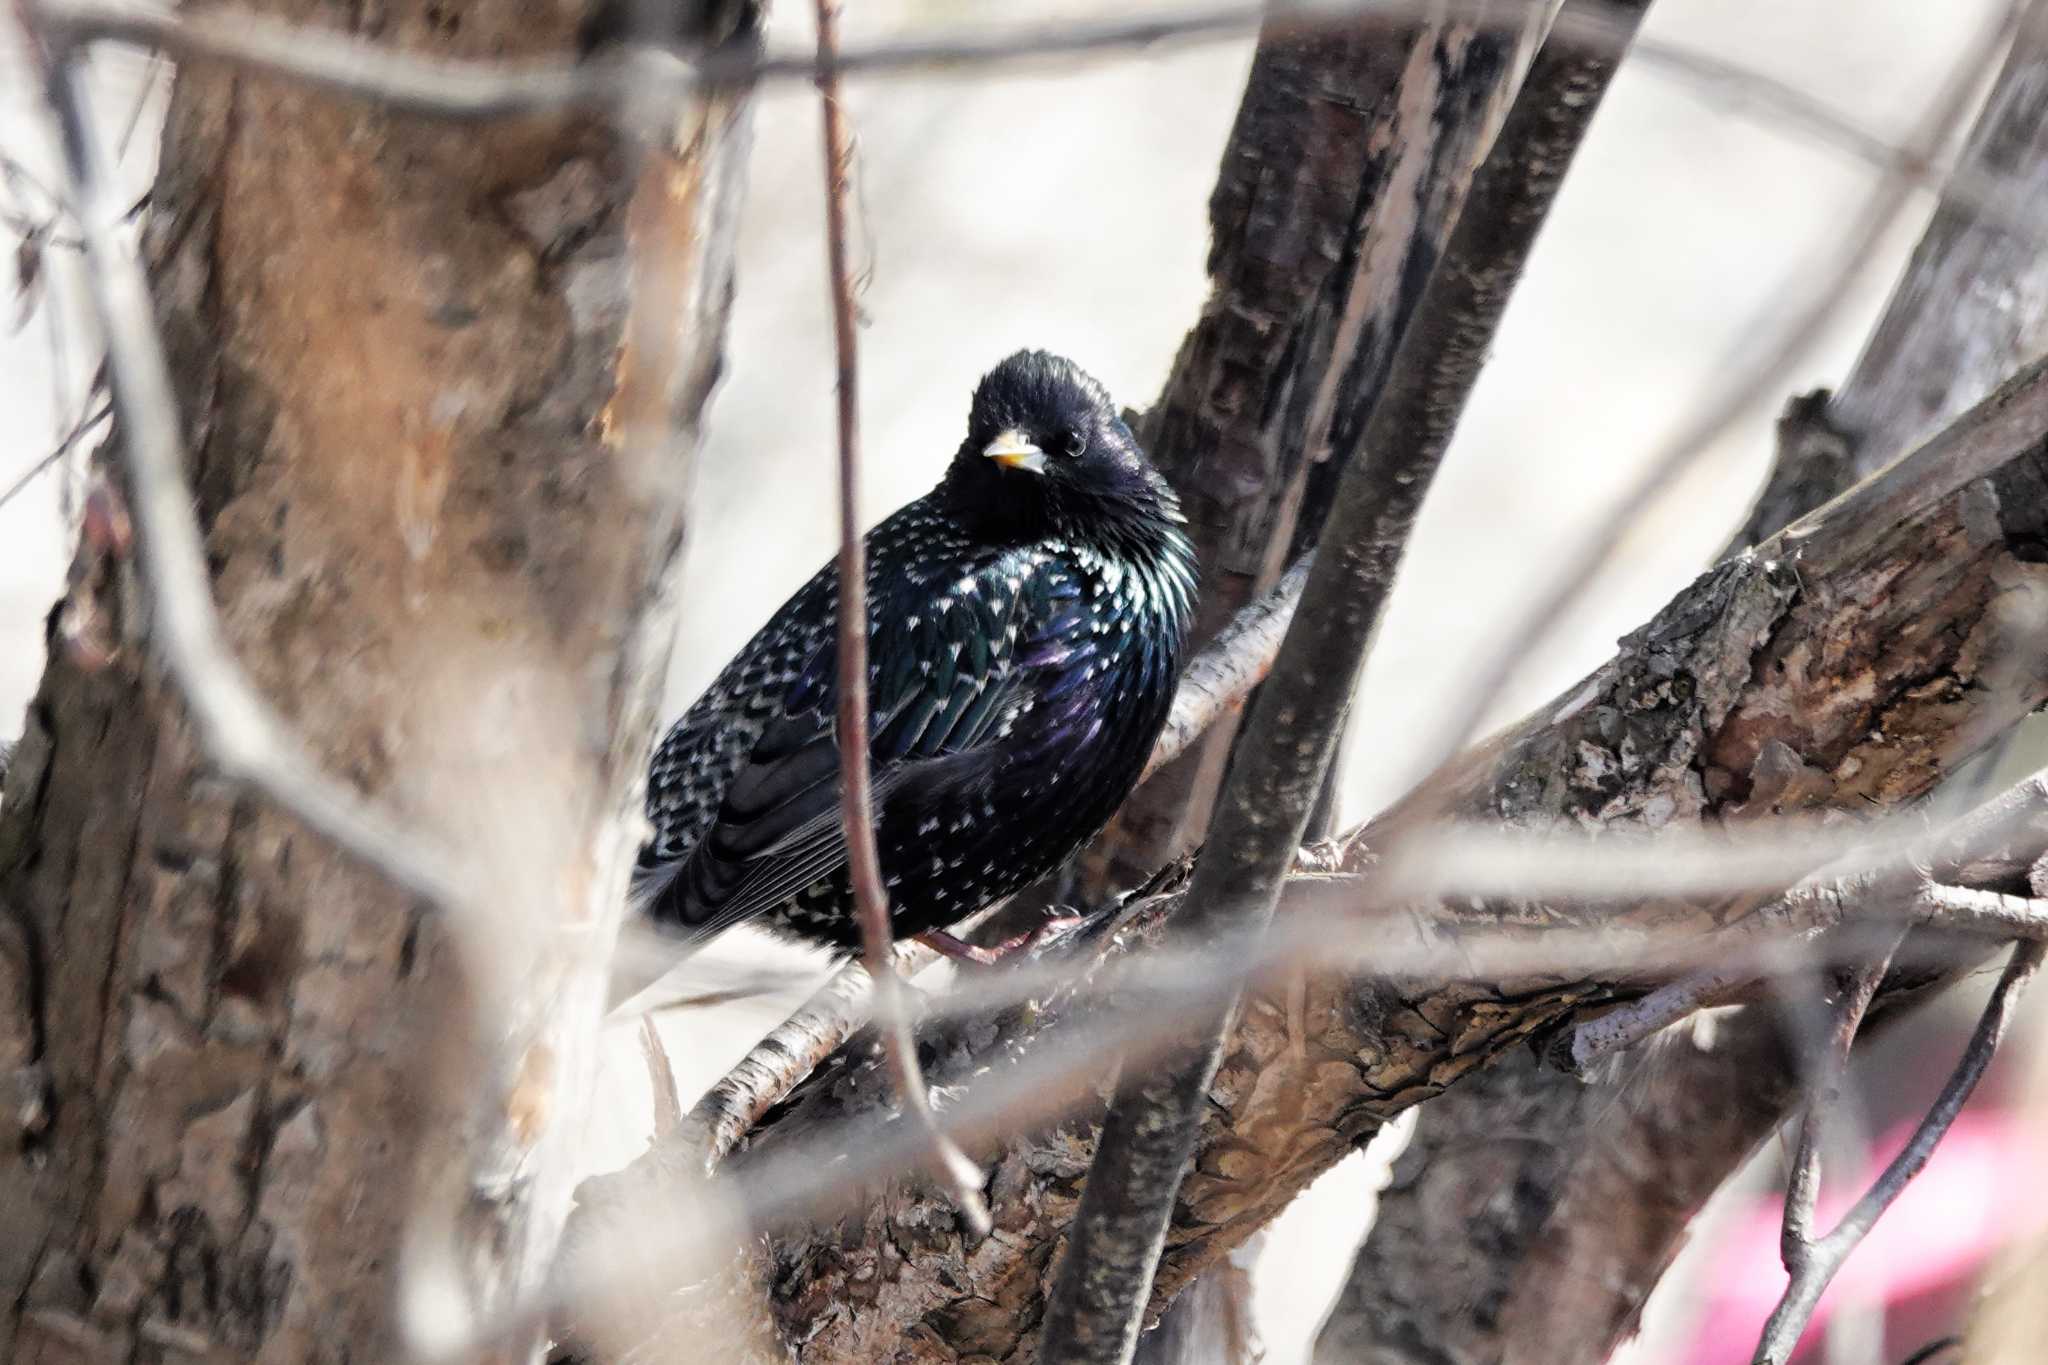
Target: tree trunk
x=269, y=1104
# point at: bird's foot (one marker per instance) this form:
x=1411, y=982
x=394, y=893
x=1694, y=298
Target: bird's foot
x=946, y=945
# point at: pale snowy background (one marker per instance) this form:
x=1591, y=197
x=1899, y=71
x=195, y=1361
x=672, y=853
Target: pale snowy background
x=1064, y=207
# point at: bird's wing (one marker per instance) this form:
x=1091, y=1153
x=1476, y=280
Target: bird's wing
x=945, y=684
x=698, y=758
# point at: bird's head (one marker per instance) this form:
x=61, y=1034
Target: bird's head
x=1046, y=451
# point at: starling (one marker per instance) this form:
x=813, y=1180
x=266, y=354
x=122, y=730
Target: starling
x=1026, y=620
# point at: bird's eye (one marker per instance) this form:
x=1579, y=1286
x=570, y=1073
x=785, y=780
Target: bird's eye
x=1074, y=445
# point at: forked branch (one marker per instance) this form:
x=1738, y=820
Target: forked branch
x=1813, y=1261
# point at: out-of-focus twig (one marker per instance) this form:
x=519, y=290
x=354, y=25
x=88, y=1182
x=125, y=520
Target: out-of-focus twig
x=1813, y=1261
x=1921, y=881
x=241, y=733
x=661, y=1074
x=1359, y=924
x=79, y=431
x=649, y=79
x=864, y=865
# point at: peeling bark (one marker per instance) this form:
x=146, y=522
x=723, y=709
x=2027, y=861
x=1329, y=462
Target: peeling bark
x=1343, y=174
x=1850, y=664
x=442, y=527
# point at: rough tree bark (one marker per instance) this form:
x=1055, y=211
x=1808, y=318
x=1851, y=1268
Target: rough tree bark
x=1102, y=1289
x=1850, y=680
x=1343, y=173
x=1602, y=1185
x=439, y=460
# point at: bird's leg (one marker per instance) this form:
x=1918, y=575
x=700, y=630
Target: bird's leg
x=946, y=945
x=959, y=949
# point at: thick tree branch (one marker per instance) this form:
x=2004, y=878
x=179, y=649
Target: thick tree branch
x=1345, y=169
x=1571, y=1288
x=1098, y=1301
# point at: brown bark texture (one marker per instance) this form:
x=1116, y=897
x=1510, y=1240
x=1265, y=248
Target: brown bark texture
x=1290, y=739
x=1342, y=177
x=439, y=461
x=1846, y=667
x=1606, y=1185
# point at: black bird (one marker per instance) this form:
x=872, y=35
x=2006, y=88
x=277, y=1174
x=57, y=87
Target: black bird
x=1026, y=620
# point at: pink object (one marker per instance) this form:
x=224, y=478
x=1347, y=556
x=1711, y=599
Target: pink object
x=1982, y=1188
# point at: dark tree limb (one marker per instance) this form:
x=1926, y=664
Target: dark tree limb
x=1103, y=1287
x=1350, y=156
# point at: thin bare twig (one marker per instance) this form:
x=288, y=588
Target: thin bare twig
x=778, y=1063
x=864, y=864
x=1639, y=1020
x=1814, y=1261
x=2023, y=915
x=241, y=734
x=1219, y=678
x=79, y=431
x=1823, y=1097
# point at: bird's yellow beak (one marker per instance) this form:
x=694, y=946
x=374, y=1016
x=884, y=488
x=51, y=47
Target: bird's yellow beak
x=1012, y=449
